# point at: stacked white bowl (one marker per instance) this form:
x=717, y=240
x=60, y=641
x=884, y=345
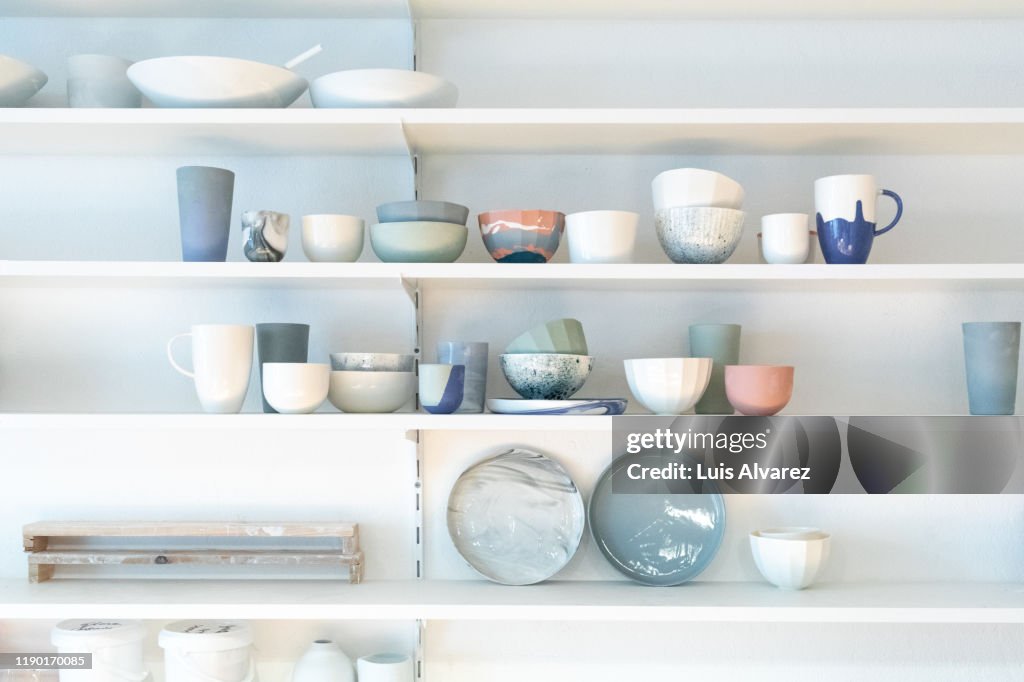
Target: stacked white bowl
x=371, y=382
x=697, y=215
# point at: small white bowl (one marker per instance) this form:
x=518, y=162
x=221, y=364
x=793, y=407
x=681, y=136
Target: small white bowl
x=331, y=238
x=684, y=187
x=790, y=558
x=18, y=81
x=215, y=82
x=369, y=392
x=362, y=88
x=295, y=387
x=668, y=385
x=601, y=236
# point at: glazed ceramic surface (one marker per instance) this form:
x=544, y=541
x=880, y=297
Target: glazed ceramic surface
x=441, y=387
x=331, y=238
x=813, y=248
x=845, y=208
x=699, y=235
x=668, y=385
x=657, y=537
x=387, y=667
x=205, y=82
x=517, y=518
x=557, y=336
x=422, y=210
x=991, y=356
x=360, y=88
x=373, y=362
x=521, y=236
x=265, y=235
x=759, y=390
x=370, y=392
x=601, y=236
x=324, y=661
x=472, y=354
x=222, y=362
x=295, y=387
x=418, y=242
x=785, y=238
x=280, y=342
x=609, y=406
x=790, y=558
x=204, y=212
x=546, y=376
x=18, y=81
x=684, y=187
x=721, y=343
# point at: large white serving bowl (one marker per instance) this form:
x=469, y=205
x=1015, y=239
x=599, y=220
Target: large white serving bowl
x=668, y=385
x=295, y=387
x=364, y=88
x=790, y=558
x=18, y=81
x=207, y=82
x=695, y=187
x=367, y=392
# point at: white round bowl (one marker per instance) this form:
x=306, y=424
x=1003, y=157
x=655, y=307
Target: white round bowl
x=331, y=238
x=695, y=187
x=668, y=385
x=215, y=82
x=18, y=81
x=362, y=88
x=366, y=392
x=295, y=387
x=601, y=236
x=790, y=558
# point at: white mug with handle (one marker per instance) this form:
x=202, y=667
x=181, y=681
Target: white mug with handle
x=222, y=361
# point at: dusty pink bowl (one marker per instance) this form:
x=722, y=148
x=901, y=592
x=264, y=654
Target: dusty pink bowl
x=758, y=390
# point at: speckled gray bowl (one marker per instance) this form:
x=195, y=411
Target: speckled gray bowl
x=372, y=362
x=546, y=376
x=699, y=234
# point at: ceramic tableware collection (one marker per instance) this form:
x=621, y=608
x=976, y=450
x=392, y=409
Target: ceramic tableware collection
x=420, y=232
x=97, y=80
x=846, y=206
x=991, y=356
x=549, y=361
x=790, y=558
x=474, y=356
x=441, y=387
x=697, y=215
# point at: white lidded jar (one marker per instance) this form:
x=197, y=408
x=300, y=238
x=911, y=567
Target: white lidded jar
x=116, y=647
x=208, y=651
x=324, y=661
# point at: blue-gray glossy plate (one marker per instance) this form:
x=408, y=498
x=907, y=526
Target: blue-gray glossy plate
x=664, y=537
x=517, y=518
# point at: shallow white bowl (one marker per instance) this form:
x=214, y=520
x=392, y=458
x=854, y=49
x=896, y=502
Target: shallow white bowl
x=361, y=88
x=695, y=187
x=668, y=385
x=295, y=387
x=790, y=558
x=18, y=81
x=366, y=392
x=215, y=82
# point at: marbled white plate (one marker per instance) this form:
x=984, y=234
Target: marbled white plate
x=610, y=406
x=516, y=518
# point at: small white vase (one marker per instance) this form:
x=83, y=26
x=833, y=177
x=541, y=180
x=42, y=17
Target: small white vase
x=324, y=661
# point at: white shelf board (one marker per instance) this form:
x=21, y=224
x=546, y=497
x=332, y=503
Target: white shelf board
x=552, y=601
x=565, y=276
x=521, y=9
x=298, y=131
x=402, y=421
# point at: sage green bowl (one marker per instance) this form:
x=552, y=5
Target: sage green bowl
x=418, y=241
x=557, y=336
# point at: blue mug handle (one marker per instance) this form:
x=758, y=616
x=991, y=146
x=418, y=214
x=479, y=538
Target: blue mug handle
x=899, y=211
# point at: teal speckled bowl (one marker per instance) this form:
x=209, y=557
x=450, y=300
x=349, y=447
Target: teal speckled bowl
x=546, y=376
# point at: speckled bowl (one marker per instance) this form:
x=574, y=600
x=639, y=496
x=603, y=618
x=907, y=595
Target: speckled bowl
x=546, y=376
x=372, y=362
x=699, y=234
x=521, y=236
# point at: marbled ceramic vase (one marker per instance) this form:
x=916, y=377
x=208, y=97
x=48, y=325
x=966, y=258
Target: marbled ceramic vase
x=265, y=235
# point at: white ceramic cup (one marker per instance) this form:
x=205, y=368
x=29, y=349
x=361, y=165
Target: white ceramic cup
x=785, y=238
x=296, y=387
x=222, y=361
x=790, y=558
x=601, y=236
x=97, y=66
x=837, y=195
x=332, y=238
x=385, y=668
x=687, y=187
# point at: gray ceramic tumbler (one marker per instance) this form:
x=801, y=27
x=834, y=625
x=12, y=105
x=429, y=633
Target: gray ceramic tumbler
x=280, y=342
x=991, y=350
x=204, y=212
x=473, y=355
x=721, y=343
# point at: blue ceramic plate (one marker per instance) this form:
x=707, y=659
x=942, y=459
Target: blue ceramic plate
x=663, y=537
x=517, y=518
x=611, y=406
